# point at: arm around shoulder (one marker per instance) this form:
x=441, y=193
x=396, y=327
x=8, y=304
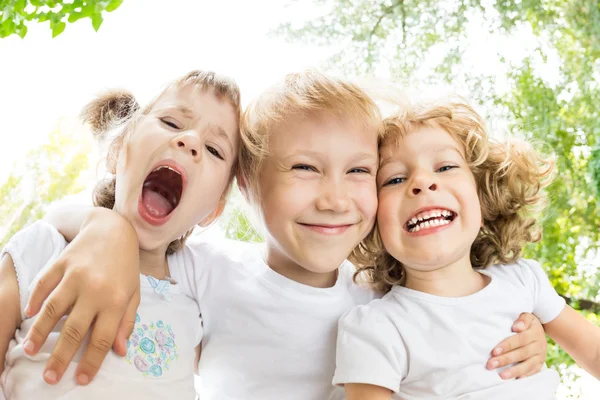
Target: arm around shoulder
x=578, y=337
x=70, y=219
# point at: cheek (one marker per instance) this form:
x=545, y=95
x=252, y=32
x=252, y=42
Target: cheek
x=387, y=216
x=365, y=197
x=388, y=208
x=472, y=205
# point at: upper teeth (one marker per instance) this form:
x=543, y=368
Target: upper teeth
x=429, y=214
x=167, y=167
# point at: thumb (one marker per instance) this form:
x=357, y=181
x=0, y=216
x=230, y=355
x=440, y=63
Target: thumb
x=127, y=324
x=523, y=322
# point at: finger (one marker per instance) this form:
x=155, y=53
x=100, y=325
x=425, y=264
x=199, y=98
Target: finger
x=523, y=322
x=52, y=311
x=72, y=335
x=529, y=367
x=514, y=356
x=515, y=341
x=127, y=324
x=103, y=335
x=45, y=284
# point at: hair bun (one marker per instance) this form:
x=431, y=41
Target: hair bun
x=109, y=110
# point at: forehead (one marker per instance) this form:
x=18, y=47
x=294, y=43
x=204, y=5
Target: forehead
x=314, y=131
x=193, y=102
x=423, y=139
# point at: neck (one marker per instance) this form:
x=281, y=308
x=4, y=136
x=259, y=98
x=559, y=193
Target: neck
x=456, y=279
x=154, y=263
x=285, y=266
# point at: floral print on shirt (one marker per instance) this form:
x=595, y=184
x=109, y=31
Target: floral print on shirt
x=151, y=347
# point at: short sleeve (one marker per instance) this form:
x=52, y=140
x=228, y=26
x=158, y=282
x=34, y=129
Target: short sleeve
x=202, y=263
x=369, y=350
x=547, y=303
x=32, y=249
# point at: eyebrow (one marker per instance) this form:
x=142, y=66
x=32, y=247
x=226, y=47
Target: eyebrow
x=183, y=109
x=311, y=153
x=220, y=132
x=439, y=148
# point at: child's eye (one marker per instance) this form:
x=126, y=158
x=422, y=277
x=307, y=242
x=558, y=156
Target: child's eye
x=214, y=152
x=446, y=168
x=359, y=171
x=304, y=167
x=170, y=123
x=394, y=181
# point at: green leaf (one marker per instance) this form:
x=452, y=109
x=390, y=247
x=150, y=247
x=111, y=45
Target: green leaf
x=21, y=31
x=97, y=21
x=113, y=5
x=74, y=17
x=58, y=28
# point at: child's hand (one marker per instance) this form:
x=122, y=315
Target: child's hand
x=527, y=348
x=97, y=277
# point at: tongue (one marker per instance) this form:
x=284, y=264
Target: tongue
x=155, y=203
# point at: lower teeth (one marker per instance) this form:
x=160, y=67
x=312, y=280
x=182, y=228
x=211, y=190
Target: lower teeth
x=429, y=225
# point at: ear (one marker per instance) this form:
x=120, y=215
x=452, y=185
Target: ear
x=114, y=154
x=214, y=215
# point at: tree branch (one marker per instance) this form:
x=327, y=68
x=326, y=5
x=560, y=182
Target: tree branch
x=386, y=12
x=587, y=305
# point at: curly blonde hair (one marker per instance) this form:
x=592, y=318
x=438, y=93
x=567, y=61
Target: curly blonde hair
x=509, y=175
x=118, y=110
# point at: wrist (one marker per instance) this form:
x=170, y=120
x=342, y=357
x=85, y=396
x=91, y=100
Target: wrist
x=105, y=220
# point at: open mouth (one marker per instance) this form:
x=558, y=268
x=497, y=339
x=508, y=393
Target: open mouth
x=429, y=219
x=161, y=193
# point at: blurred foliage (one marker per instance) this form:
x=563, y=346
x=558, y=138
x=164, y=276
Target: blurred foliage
x=47, y=173
x=545, y=86
x=15, y=15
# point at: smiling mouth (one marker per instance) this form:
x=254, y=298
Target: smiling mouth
x=429, y=219
x=327, y=228
x=161, y=192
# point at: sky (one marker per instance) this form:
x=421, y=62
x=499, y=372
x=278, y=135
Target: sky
x=143, y=45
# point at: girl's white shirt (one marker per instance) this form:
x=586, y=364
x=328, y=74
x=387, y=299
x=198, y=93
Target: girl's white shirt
x=265, y=336
x=422, y=346
x=160, y=358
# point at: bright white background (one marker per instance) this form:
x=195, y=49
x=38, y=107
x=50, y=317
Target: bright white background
x=141, y=46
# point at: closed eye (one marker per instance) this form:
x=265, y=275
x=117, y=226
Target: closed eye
x=394, y=181
x=304, y=167
x=214, y=152
x=446, y=168
x=359, y=171
x=171, y=123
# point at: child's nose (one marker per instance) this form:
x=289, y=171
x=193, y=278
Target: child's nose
x=417, y=189
x=333, y=199
x=189, y=143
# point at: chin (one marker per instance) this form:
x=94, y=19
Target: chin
x=324, y=265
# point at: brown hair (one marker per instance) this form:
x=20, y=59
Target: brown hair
x=509, y=175
x=118, y=109
x=305, y=93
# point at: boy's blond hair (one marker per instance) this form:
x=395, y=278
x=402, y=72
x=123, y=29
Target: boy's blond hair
x=118, y=110
x=309, y=93
x=509, y=175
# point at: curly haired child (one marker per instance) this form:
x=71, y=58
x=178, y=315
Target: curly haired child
x=455, y=210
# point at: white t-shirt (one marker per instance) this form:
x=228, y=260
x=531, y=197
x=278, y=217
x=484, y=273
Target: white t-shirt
x=160, y=358
x=265, y=336
x=422, y=346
